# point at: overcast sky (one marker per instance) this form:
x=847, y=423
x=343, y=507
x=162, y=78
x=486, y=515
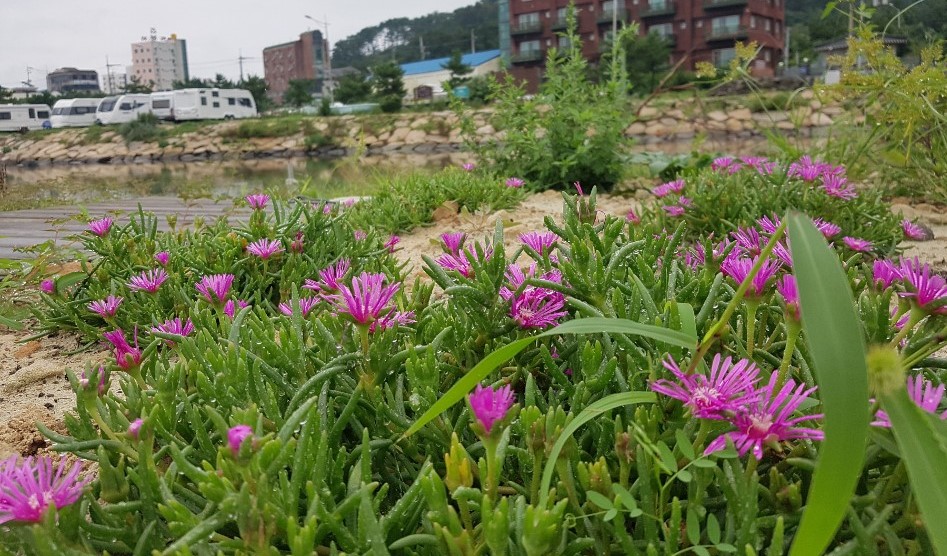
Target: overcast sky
x=81, y=33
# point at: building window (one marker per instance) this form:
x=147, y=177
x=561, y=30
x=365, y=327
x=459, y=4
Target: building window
x=610, y=5
x=768, y=55
x=564, y=43
x=529, y=47
x=768, y=24
x=752, y=22
x=662, y=30
x=526, y=20
x=725, y=25
x=723, y=56
x=683, y=25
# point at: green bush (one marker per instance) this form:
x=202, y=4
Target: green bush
x=146, y=128
x=260, y=128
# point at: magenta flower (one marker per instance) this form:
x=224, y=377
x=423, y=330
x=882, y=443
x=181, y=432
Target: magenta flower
x=391, y=320
x=468, y=166
x=729, y=387
x=306, y=305
x=928, y=290
x=805, y=169
x=828, y=229
x=489, y=405
x=48, y=286
x=769, y=420
x=265, y=248
x=674, y=210
x=29, y=487
x=923, y=393
x=633, y=217
x=667, y=188
x=885, y=272
x=107, y=307
x=215, y=287
x=230, y=308
x=257, y=201
x=748, y=241
x=84, y=382
x=162, y=258
x=392, y=241
x=126, y=356
x=856, y=244
x=721, y=163
x=367, y=300
x=783, y=253
x=533, y=307
x=838, y=187
x=148, y=281
x=235, y=437
x=463, y=261
x=786, y=286
x=453, y=242
x=176, y=327
x=100, y=227
x=913, y=231
x=360, y=235
x=297, y=245
x=769, y=224
x=738, y=268
x=515, y=183
x=541, y=242
x=134, y=428
x=329, y=278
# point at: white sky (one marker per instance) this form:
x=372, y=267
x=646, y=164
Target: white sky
x=80, y=33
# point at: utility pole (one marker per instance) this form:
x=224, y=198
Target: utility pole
x=241, y=58
x=108, y=70
x=473, y=42
x=421, y=43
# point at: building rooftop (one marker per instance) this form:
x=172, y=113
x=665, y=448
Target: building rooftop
x=430, y=66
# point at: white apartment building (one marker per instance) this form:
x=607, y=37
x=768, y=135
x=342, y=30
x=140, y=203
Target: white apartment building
x=159, y=62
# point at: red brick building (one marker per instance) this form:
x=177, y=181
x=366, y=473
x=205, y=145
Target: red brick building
x=698, y=30
x=301, y=59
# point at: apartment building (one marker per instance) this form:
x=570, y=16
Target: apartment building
x=159, y=62
x=306, y=58
x=72, y=80
x=697, y=30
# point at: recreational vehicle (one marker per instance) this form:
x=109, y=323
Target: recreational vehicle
x=121, y=109
x=74, y=112
x=203, y=104
x=24, y=117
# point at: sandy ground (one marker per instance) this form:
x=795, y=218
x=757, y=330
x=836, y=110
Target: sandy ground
x=33, y=386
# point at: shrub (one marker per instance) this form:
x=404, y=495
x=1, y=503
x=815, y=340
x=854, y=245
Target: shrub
x=260, y=128
x=146, y=128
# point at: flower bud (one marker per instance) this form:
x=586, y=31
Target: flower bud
x=457, y=463
x=885, y=369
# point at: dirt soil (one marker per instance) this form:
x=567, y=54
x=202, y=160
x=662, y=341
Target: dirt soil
x=33, y=385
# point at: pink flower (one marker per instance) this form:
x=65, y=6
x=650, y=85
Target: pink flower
x=257, y=201
x=782, y=252
x=463, y=261
x=230, y=308
x=721, y=163
x=390, y=244
x=100, y=227
x=514, y=183
x=126, y=356
x=828, y=229
x=329, y=278
x=738, y=268
x=838, y=186
x=215, y=287
x=540, y=242
x=306, y=305
x=928, y=290
x=453, y=241
x=769, y=224
x=368, y=299
x=134, y=428
x=235, y=437
x=633, y=217
x=786, y=286
x=768, y=421
x=856, y=244
x=162, y=258
x=729, y=387
x=298, y=244
x=489, y=405
x=913, y=231
x=360, y=235
x=84, y=381
x=107, y=307
x=48, y=286
x=674, y=210
x=667, y=188
x=748, y=241
x=532, y=306
x=805, y=169
x=391, y=320
x=176, y=327
x=923, y=393
x=28, y=487
x=885, y=272
x=468, y=166
x=265, y=248
x=149, y=280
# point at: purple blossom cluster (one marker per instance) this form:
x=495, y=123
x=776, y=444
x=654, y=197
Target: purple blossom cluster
x=928, y=291
x=490, y=405
x=462, y=259
x=761, y=415
x=28, y=487
x=533, y=307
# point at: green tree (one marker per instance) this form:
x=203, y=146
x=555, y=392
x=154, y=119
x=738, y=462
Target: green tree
x=299, y=92
x=353, y=87
x=647, y=60
x=221, y=82
x=5, y=95
x=135, y=85
x=388, y=86
x=458, y=70
x=192, y=83
x=257, y=87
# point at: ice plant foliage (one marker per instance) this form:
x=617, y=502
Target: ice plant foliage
x=215, y=287
x=265, y=248
x=107, y=307
x=489, y=405
x=100, y=227
x=730, y=387
x=28, y=487
x=148, y=281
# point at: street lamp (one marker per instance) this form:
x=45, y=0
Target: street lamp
x=327, y=58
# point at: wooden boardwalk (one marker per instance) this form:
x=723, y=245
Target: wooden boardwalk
x=24, y=228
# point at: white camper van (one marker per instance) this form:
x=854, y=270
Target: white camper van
x=74, y=112
x=203, y=104
x=122, y=109
x=24, y=117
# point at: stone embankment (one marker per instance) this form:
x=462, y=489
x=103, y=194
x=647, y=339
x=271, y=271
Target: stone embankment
x=420, y=133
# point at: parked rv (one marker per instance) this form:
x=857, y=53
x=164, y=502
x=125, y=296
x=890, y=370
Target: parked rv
x=24, y=117
x=121, y=109
x=203, y=104
x=74, y=112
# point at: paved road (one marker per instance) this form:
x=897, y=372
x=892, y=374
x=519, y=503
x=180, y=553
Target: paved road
x=24, y=228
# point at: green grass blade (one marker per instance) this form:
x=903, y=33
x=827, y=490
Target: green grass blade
x=838, y=352
x=591, y=412
x=924, y=452
x=595, y=325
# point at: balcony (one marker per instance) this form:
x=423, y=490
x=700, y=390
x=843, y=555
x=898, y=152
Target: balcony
x=526, y=28
x=559, y=24
x=726, y=33
x=718, y=4
x=527, y=56
x=607, y=15
x=658, y=9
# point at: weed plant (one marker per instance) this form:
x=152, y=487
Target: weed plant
x=146, y=128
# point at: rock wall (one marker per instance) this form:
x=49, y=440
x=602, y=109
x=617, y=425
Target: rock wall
x=423, y=133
